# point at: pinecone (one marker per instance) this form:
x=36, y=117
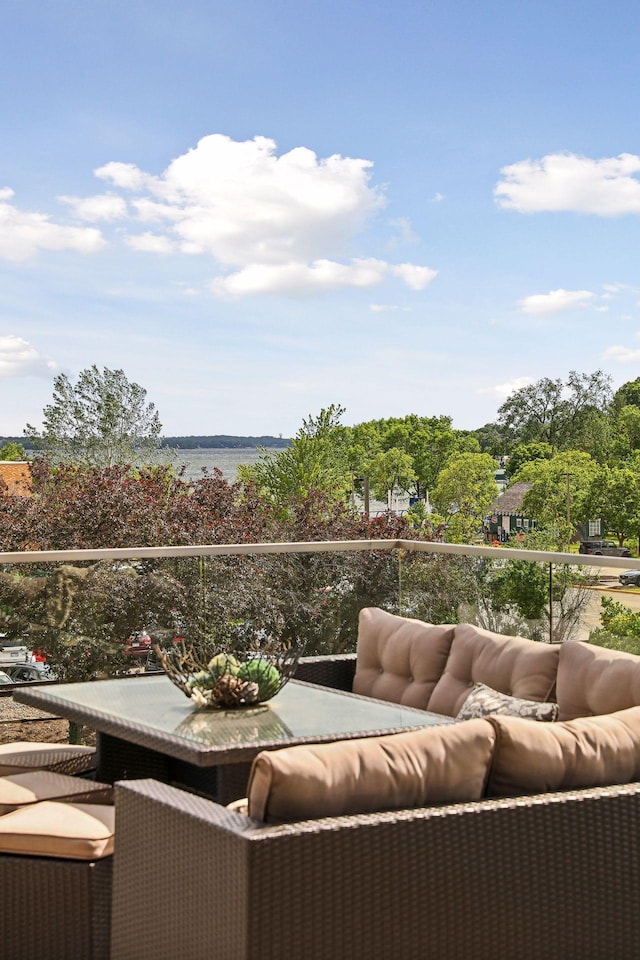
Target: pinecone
x=230, y=691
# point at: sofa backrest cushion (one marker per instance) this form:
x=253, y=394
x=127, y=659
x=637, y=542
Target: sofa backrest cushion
x=512, y=665
x=543, y=757
x=399, y=659
x=437, y=764
x=593, y=680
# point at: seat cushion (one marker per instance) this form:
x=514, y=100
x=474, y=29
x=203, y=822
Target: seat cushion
x=483, y=701
x=20, y=789
x=572, y=754
x=512, y=665
x=436, y=764
x=399, y=659
x=593, y=680
x=73, y=831
x=23, y=755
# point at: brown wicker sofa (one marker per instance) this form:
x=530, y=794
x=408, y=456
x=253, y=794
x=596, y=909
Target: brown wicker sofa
x=543, y=874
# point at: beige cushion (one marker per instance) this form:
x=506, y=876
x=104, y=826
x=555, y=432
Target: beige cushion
x=20, y=789
x=593, y=680
x=511, y=665
x=399, y=659
x=23, y=755
x=74, y=831
x=483, y=702
x=542, y=757
x=436, y=764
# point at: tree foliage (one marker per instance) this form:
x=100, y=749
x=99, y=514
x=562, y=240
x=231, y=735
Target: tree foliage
x=560, y=414
x=101, y=420
x=465, y=488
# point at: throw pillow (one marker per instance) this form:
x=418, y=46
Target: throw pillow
x=483, y=701
x=571, y=754
x=446, y=763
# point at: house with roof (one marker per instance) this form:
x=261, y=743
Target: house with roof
x=506, y=516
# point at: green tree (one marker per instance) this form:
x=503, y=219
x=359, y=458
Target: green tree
x=557, y=499
x=561, y=414
x=12, y=451
x=391, y=471
x=100, y=420
x=465, y=488
x=626, y=395
x=316, y=460
x=614, y=495
x=527, y=452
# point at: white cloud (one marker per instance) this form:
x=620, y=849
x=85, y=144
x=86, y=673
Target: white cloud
x=555, y=301
x=415, y=277
x=125, y=175
x=23, y=234
x=506, y=389
x=565, y=181
x=437, y=197
x=296, y=278
x=151, y=243
x=103, y=206
x=274, y=223
x=622, y=354
x=19, y=359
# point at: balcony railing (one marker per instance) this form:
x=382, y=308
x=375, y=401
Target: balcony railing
x=84, y=608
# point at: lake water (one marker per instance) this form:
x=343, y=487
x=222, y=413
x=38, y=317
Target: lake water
x=227, y=460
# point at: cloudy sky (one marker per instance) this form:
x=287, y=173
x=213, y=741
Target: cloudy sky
x=258, y=208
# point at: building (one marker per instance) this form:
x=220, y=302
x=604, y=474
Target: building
x=506, y=517
x=15, y=476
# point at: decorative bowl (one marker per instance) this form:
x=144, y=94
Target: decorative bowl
x=211, y=676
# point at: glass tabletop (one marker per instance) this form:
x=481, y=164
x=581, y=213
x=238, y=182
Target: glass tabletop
x=299, y=712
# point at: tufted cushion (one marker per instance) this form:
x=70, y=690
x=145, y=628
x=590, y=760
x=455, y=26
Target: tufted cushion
x=593, y=680
x=483, y=702
x=23, y=755
x=20, y=789
x=436, y=764
x=399, y=659
x=586, y=752
x=74, y=831
x=511, y=665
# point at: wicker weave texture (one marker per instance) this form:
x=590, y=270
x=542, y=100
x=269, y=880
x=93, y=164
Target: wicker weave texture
x=54, y=909
x=555, y=877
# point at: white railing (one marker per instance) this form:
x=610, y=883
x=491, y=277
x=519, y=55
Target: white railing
x=318, y=546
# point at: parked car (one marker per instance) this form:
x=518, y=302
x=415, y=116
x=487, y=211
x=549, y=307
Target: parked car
x=630, y=578
x=4, y=677
x=21, y=672
x=603, y=548
x=138, y=644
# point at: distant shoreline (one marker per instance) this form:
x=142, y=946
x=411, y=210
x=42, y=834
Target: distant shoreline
x=216, y=442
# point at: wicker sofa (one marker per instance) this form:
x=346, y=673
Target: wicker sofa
x=545, y=874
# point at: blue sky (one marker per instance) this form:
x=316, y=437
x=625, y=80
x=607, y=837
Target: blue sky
x=260, y=208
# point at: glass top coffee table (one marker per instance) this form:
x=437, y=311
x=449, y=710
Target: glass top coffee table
x=147, y=727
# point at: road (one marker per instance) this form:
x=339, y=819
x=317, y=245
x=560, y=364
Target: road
x=609, y=588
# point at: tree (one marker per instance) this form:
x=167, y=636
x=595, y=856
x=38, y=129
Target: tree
x=390, y=471
x=465, y=488
x=316, y=460
x=614, y=495
x=101, y=420
x=525, y=453
x=561, y=414
x=557, y=498
x=12, y=451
